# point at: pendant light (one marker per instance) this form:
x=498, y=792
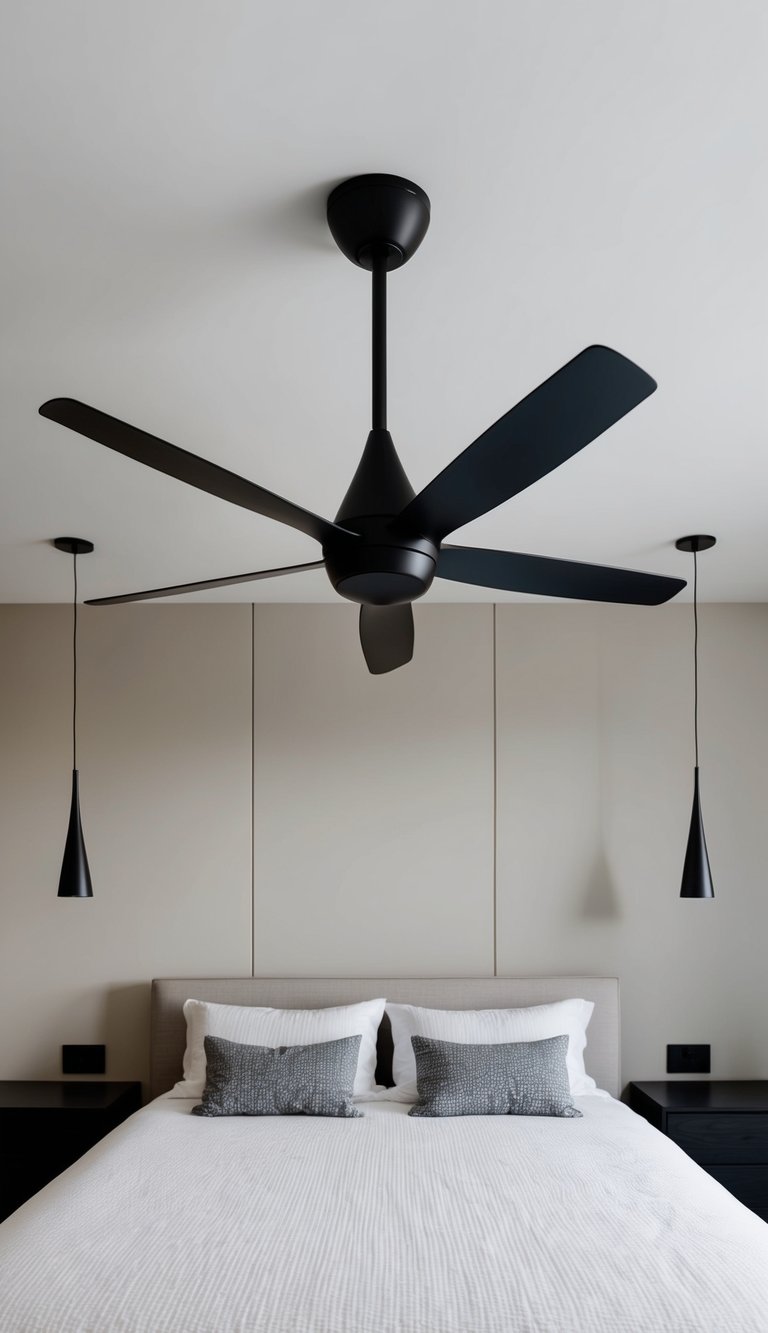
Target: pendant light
x=697, y=876
x=75, y=877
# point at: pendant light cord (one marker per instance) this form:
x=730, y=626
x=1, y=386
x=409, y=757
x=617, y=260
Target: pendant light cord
x=695, y=657
x=74, y=663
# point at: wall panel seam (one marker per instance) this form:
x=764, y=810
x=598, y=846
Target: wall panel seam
x=253, y=785
x=495, y=804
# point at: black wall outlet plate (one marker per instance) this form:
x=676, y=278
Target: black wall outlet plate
x=83, y=1059
x=688, y=1060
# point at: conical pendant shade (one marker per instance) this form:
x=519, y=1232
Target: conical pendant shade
x=697, y=876
x=75, y=877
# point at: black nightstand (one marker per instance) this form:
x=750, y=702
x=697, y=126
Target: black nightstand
x=723, y=1126
x=45, y=1127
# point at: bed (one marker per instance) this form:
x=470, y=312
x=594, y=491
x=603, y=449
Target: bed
x=175, y=1224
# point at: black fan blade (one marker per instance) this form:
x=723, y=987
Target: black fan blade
x=178, y=463
x=554, y=578
x=180, y=588
x=553, y=423
x=386, y=636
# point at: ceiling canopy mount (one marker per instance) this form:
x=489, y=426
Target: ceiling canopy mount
x=378, y=216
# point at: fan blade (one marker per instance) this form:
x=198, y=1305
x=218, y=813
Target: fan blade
x=180, y=588
x=178, y=463
x=564, y=414
x=386, y=636
x=554, y=578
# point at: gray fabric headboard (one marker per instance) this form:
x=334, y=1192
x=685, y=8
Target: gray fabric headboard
x=168, y=1031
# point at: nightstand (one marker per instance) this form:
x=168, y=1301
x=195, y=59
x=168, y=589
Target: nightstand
x=722, y=1125
x=45, y=1127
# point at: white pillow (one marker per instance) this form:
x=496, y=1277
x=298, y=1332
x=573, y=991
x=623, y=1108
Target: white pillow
x=278, y=1027
x=491, y=1026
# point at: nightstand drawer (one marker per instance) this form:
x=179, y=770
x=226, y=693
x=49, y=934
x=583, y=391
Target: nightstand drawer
x=719, y=1137
x=748, y=1183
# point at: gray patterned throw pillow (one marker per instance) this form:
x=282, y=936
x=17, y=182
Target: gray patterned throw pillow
x=282, y=1080
x=512, y=1078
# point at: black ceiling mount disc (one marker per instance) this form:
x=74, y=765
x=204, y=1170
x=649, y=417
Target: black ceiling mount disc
x=698, y=542
x=73, y=545
x=378, y=214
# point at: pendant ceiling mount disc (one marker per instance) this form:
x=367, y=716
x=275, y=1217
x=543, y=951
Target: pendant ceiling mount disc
x=73, y=545
x=698, y=542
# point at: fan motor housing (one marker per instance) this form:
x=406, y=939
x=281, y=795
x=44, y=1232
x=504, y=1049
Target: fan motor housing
x=383, y=568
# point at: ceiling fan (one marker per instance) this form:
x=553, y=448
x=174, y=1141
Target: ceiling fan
x=387, y=544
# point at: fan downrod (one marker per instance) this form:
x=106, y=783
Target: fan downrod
x=379, y=222
x=378, y=216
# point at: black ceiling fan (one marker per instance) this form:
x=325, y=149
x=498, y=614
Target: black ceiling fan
x=386, y=544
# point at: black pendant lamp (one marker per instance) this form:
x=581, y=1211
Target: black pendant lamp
x=75, y=877
x=697, y=876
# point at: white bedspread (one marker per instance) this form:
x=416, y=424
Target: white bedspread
x=175, y=1224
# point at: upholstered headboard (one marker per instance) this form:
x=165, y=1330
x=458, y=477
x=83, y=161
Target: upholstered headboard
x=168, y=1037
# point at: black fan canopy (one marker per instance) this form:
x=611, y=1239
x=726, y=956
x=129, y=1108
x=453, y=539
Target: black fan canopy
x=387, y=544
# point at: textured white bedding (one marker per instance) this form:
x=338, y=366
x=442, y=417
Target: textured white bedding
x=386, y=1224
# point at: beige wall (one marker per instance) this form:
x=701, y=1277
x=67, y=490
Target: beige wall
x=394, y=828
x=595, y=773
x=165, y=760
x=373, y=797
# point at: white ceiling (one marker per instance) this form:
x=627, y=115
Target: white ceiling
x=597, y=174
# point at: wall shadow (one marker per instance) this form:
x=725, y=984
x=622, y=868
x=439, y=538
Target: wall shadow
x=600, y=901
x=125, y=1024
